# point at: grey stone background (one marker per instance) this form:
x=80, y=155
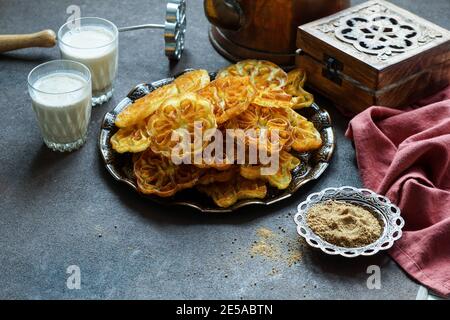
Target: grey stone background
x=54, y=207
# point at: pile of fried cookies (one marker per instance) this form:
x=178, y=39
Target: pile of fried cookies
x=252, y=94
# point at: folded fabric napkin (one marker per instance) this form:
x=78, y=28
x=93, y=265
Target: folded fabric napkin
x=405, y=155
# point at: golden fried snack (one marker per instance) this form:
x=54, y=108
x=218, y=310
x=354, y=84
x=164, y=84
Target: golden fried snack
x=280, y=179
x=211, y=176
x=255, y=98
x=273, y=98
x=176, y=122
x=215, y=156
x=263, y=74
x=147, y=105
x=216, y=166
x=222, y=165
x=262, y=127
x=226, y=194
x=303, y=100
x=295, y=81
x=229, y=96
x=157, y=175
x=192, y=81
x=132, y=139
x=304, y=136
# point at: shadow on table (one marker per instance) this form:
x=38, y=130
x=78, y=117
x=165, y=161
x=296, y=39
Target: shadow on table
x=46, y=160
x=344, y=267
x=30, y=55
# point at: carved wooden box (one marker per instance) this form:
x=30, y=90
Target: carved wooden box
x=374, y=54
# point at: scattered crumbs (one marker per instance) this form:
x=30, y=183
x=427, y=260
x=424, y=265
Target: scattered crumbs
x=271, y=246
x=273, y=272
x=294, y=258
x=294, y=252
x=275, y=247
x=262, y=248
x=265, y=233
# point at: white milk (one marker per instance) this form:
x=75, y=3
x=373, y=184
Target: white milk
x=63, y=115
x=95, y=47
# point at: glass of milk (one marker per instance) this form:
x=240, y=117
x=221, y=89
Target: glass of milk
x=61, y=95
x=93, y=42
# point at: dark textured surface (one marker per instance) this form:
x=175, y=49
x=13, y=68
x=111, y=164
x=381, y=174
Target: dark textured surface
x=62, y=209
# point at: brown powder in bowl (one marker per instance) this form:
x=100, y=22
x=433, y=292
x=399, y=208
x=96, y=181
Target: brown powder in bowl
x=344, y=224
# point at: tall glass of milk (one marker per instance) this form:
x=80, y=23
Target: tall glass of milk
x=61, y=95
x=93, y=42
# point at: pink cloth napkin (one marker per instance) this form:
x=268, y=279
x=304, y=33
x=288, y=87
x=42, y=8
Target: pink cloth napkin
x=405, y=155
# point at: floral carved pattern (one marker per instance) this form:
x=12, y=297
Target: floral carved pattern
x=379, y=32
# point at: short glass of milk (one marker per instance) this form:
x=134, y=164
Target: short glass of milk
x=61, y=95
x=93, y=42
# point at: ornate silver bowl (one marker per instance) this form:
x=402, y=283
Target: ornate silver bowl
x=313, y=164
x=387, y=213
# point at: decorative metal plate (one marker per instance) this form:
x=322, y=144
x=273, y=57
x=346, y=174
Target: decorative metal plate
x=386, y=212
x=313, y=164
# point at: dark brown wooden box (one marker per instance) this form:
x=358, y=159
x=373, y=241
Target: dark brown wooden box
x=374, y=54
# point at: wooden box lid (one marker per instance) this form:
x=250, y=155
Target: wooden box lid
x=375, y=44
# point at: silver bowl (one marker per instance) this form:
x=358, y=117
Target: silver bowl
x=387, y=213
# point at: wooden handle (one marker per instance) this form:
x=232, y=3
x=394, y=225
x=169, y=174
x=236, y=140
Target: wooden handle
x=44, y=38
